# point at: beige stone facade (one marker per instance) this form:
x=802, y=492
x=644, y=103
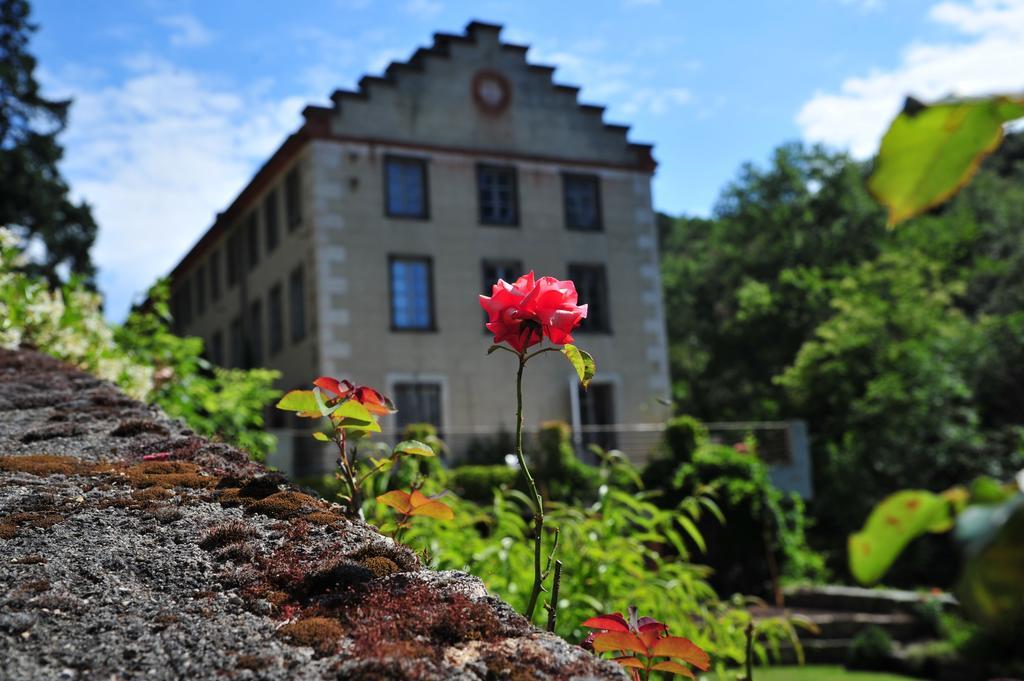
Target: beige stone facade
x=464, y=135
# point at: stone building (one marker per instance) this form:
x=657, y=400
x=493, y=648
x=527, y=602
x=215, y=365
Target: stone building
x=358, y=249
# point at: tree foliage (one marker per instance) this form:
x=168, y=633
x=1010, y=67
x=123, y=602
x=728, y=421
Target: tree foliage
x=904, y=349
x=33, y=196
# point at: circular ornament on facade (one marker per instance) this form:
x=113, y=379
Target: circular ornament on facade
x=491, y=91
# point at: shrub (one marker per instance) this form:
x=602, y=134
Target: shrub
x=427, y=466
x=684, y=435
x=559, y=472
x=763, y=539
x=622, y=549
x=489, y=450
x=478, y=483
x=870, y=649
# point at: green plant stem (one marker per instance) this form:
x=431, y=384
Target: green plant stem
x=538, y=517
x=553, y=607
x=750, y=650
x=354, y=505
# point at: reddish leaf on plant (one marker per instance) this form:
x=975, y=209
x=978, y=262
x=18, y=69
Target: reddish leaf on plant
x=683, y=649
x=647, y=638
x=612, y=622
x=608, y=641
x=374, y=401
x=673, y=667
x=416, y=504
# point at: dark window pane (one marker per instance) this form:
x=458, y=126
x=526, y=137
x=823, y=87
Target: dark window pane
x=275, y=304
x=255, y=338
x=216, y=350
x=411, y=295
x=418, y=403
x=406, y=181
x=234, y=257
x=582, y=196
x=297, y=304
x=237, y=343
x=253, y=240
x=496, y=189
x=201, y=290
x=292, y=199
x=215, y=275
x=592, y=287
x=493, y=270
x=185, y=305
x=597, y=415
x=270, y=220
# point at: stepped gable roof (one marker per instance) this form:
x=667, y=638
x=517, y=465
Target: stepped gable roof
x=133, y=548
x=480, y=47
x=578, y=120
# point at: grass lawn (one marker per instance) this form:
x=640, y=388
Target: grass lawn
x=817, y=673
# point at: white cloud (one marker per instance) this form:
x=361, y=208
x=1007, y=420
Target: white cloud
x=187, y=31
x=656, y=101
x=984, y=60
x=624, y=85
x=156, y=154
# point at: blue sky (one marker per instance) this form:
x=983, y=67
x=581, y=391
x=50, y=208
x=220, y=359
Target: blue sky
x=177, y=103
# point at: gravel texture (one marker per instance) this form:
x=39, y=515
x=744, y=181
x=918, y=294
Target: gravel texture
x=197, y=563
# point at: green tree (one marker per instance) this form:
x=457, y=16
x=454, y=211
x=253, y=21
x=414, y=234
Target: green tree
x=745, y=289
x=903, y=348
x=33, y=195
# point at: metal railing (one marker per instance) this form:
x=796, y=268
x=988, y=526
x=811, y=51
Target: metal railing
x=781, y=444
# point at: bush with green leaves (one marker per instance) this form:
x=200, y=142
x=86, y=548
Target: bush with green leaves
x=622, y=549
x=870, y=649
x=761, y=540
x=478, y=483
x=560, y=474
x=142, y=357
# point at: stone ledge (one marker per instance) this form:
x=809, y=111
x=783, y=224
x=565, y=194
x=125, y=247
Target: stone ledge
x=199, y=563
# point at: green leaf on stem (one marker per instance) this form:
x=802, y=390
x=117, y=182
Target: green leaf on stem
x=413, y=448
x=322, y=437
x=353, y=416
x=298, y=400
x=930, y=152
x=582, y=362
x=991, y=586
x=898, y=519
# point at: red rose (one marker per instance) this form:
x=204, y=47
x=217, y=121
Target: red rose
x=522, y=314
x=553, y=304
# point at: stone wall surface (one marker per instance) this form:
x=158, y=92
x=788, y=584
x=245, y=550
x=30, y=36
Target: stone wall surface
x=131, y=548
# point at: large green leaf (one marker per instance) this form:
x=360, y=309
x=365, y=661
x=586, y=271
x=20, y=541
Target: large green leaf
x=413, y=448
x=298, y=400
x=582, y=362
x=930, y=152
x=898, y=519
x=991, y=584
x=353, y=416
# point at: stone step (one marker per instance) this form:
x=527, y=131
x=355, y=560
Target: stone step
x=817, y=651
x=901, y=626
x=856, y=599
